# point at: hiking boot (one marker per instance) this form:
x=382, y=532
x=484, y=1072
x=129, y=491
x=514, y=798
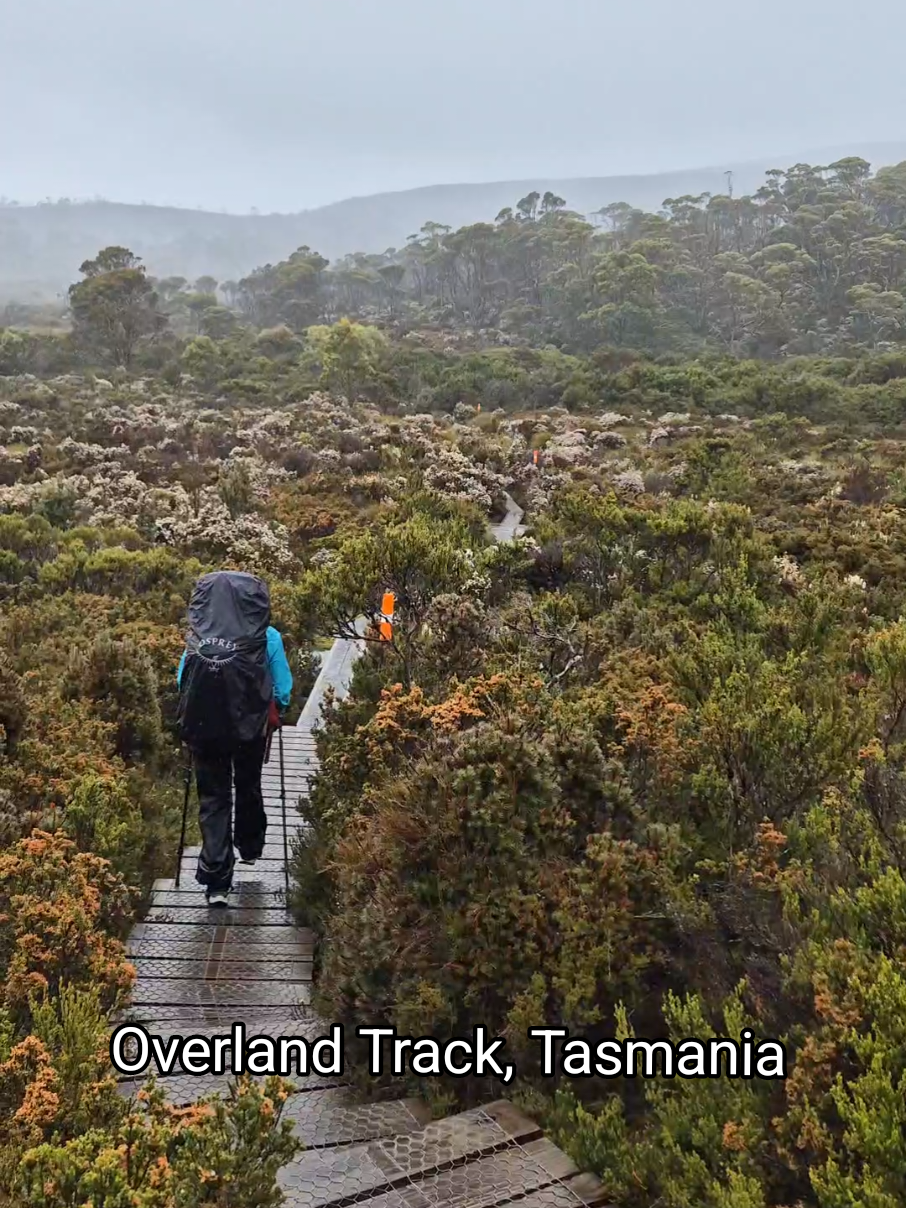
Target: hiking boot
x=218, y=897
x=248, y=863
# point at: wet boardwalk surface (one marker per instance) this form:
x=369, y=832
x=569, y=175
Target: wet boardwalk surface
x=201, y=969
x=511, y=525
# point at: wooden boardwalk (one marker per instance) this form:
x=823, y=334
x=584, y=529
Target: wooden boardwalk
x=511, y=525
x=200, y=969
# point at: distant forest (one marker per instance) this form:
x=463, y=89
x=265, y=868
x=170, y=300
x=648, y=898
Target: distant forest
x=40, y=244
x=812, y=263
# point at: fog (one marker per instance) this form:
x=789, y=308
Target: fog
x=288, y=104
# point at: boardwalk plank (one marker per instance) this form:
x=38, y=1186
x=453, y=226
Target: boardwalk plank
x=230, y=914
x=292, y=949
x=215, y=968
x=168, y=991
x=212, y=930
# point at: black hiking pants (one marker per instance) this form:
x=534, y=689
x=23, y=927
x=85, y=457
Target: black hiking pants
x=215, y=771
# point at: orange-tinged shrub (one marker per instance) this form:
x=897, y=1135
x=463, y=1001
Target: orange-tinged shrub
x=61, y=911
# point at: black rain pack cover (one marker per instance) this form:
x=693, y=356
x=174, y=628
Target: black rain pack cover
x=226, y=685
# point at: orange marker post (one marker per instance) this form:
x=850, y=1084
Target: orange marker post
x=536, y=456
x=387, y=606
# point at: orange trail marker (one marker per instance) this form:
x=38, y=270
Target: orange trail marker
x=536, y=455
x=387, y=606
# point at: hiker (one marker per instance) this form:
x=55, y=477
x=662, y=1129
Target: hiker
x=234, y=683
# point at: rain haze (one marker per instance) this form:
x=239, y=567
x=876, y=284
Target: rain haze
x=282, y=106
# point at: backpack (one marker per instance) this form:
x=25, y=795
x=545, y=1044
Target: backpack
x=226, y=686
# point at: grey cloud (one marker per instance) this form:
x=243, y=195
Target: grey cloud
x=285, y=104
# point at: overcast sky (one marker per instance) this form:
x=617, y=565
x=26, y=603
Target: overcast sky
x=287, y=104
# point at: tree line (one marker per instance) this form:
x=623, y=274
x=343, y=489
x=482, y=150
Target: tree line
x=814, y=263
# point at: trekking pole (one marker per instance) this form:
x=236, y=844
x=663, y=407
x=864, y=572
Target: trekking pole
x=283, y=806
x=185, y=813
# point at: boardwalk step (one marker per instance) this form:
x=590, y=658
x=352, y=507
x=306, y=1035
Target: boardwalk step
x=337, y=1117
x=230, y=914
x=397, y=1172
x=273, y=858
x=272, y=854
x=246, y=889
x=245, y=881
x=250, y=897
x=321, y=1114
x=216, y=968
x=169, y=991
x=285, y=1021
x=204, y=1020
x=497, y=1179
x=291, y=949
x=270, y=878
x=268, y=874
x=182, y=1088
x=206, y=929
x=409, y=1162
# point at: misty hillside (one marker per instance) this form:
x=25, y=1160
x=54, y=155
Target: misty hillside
x=42, y=246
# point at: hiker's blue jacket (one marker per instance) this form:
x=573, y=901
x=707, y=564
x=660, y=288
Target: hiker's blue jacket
x=280, y=672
